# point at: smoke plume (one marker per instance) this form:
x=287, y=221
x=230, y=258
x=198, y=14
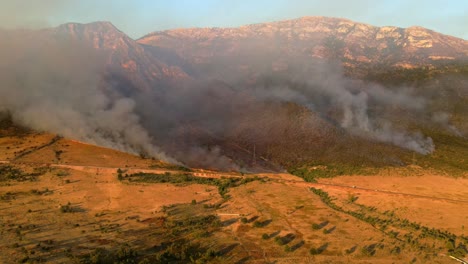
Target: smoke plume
x=323, y=86
x=58, y=86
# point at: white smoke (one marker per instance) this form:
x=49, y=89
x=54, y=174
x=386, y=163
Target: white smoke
x=322, y=86
x=57, y=87
x=443, y=118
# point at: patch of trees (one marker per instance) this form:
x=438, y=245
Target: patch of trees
x=318, y=250
x=124, y=255
x=69, y=208
x=8, y=196
x=46, y=191
x=177, y=246
x=8, y=172
x=260, y=224
x=182, y=179
x=170, y=167
x=183, y=251
x=316, y=226
x=283, y=240
x=371, y=249
x=192, y=223
x=311, y=173
x=416, y=228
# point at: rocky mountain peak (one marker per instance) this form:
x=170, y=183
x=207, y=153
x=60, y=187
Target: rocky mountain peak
x=102, y=35
x=135, y=66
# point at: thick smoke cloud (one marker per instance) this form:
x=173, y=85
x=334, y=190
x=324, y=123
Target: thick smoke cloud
x=323, y=86
x=60, y=87
x=56, y=87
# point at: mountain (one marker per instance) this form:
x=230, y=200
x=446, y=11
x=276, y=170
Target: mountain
x=306, y=38
x=126, y=59
x=303, y=58
x=128, y=65
x=271, y=95
x=167, y=57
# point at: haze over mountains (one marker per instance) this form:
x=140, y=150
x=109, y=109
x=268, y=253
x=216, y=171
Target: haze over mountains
x=266, y=95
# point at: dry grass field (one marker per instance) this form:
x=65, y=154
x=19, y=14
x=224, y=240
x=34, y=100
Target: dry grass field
x=63, y=201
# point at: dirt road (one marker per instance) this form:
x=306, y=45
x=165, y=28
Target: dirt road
x=210, y=174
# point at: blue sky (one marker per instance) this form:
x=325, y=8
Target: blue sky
x=138, y=17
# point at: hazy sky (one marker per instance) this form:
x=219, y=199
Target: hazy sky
x=139, y=17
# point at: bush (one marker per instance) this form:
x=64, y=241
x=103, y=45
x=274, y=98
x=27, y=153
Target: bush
x=62, y=173
x=368, y=250
x=126, y=255
x=279, y=241
x=257, y=224
x=352, y=198
x=450, y=245
x=314, y=251
x=66, y=208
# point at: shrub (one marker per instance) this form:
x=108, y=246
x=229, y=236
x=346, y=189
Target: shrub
x=352, y=198
x=66, y=208
x=279, y=241
x=257, y=224
x=62, y=173
x=314, y=251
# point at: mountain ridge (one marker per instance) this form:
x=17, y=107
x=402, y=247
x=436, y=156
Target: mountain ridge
x=294, y=19
x=169, y=55
x=320, y=37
